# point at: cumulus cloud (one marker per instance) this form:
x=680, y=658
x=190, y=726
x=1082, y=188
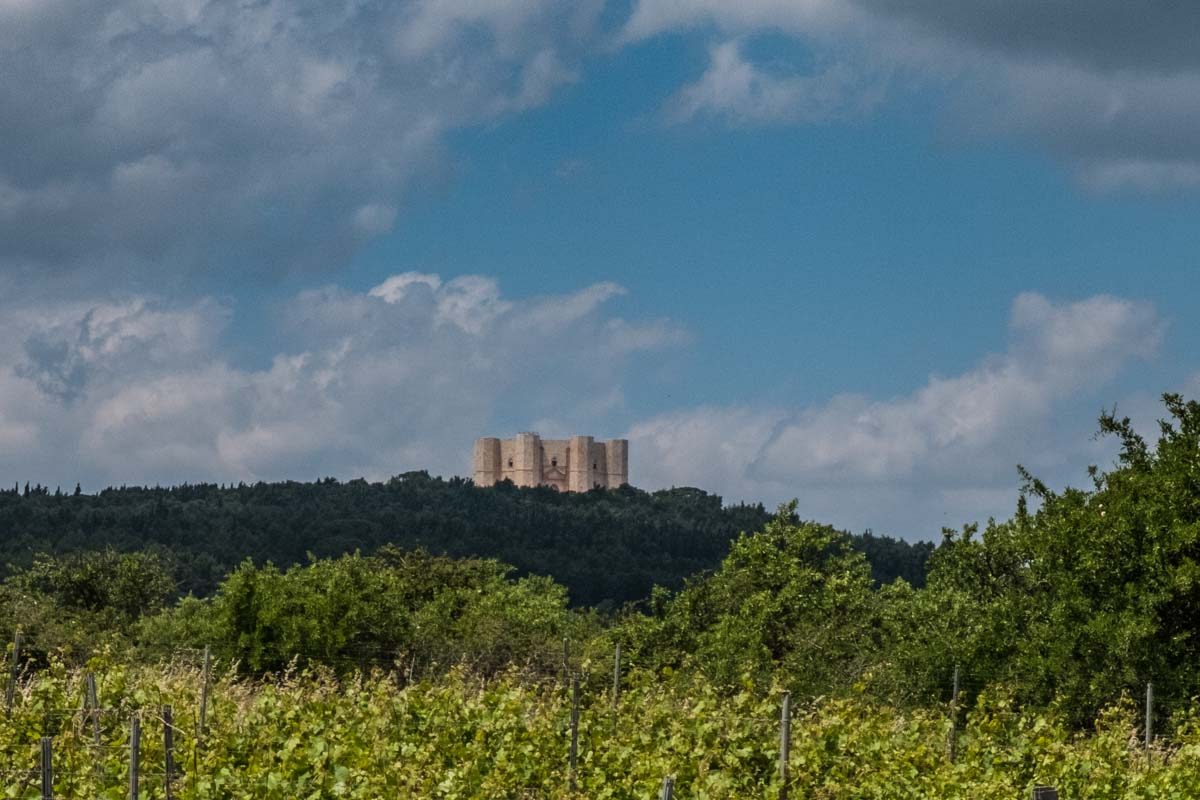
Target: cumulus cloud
x=1111, y=88
x=908, y=459
x=262, y=136
x=402, y=376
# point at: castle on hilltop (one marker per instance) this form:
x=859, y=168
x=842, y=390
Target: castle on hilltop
x=568, y=465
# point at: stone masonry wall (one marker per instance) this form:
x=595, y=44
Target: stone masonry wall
x=577, y=464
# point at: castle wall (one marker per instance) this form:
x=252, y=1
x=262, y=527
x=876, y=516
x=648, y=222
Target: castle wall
x=618, y=463
x=556, y=460
x=578, y=464
x=527, y=460
x=508, y=449
x=599, y=456
x=487, y=461
x=580, y=469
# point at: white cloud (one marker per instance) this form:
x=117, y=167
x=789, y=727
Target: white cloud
x=710, y=447
x=394, y=288
x=907, y=459
x=743, y=94
x=551, y=312
x=471, y=303
x=401, y=377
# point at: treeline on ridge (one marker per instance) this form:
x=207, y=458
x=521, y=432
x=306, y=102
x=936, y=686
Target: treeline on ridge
x=607, y=547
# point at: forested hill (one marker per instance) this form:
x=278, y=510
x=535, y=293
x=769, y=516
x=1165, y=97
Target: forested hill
x=607, y=547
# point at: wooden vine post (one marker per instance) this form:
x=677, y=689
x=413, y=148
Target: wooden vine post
x=47, y=769
x=135, y=754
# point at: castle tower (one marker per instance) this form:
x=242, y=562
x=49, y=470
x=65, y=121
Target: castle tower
x=580, y=475
x=618, y=462
x=487, y=461
x=527, y=460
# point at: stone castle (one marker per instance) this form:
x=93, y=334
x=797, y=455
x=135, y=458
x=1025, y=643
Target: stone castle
x=568, y=465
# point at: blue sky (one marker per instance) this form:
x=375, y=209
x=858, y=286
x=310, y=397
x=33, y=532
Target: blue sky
x=868, y=254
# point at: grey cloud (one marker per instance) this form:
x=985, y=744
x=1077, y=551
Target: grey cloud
x=1102, y=118
x=58, y=370
x=250, y=136
x=68, y=349
x=1109, y=87
x=1158, y=36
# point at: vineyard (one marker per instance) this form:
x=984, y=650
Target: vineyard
x=311, y=734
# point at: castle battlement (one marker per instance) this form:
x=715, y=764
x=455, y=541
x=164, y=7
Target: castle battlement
x=577, y=464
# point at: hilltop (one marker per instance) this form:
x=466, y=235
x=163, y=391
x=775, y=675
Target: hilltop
x=608, y=547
